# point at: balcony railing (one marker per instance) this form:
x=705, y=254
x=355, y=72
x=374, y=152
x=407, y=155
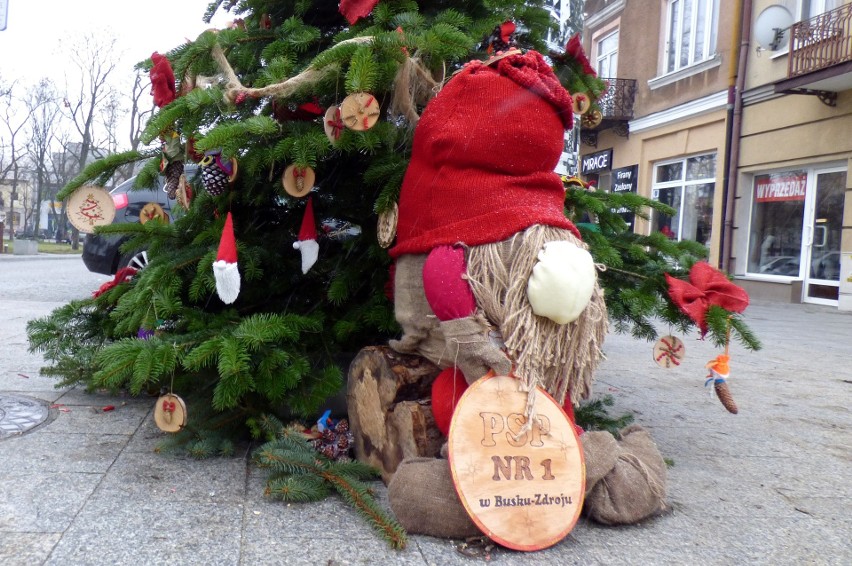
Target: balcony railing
x=821, y=42
x=617, y=101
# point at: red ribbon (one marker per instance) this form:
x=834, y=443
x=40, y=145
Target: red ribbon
x=707, y=286
x=169, y=406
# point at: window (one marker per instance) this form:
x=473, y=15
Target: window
x=690, y=32
x=606, y=62
x=687, y=185
x=812, y=8
x=778, y=209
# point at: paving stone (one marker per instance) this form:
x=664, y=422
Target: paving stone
x=112, y=529
x=26, y=549
x=37, y=502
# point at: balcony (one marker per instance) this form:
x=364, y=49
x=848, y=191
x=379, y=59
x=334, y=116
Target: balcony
x=616, y=111
x=820, y=60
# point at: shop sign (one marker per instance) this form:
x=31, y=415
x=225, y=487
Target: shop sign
x=624, y=180
x=598, y=161
x=789, y=185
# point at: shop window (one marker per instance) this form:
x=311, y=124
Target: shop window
x=778, y=210
x=690, y=32
x=687, y=185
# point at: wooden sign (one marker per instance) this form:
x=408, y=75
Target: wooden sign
x=524, y=490
x=89, y=207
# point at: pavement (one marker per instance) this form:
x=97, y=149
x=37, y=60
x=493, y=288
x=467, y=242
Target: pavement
x=770, y=485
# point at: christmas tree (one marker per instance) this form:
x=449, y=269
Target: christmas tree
x=301, y=117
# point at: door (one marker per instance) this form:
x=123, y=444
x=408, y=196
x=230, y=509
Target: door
x=823, y=229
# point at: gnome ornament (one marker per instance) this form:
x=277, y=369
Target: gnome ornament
x=225, y=268
x=490, y=275
x=307, y=243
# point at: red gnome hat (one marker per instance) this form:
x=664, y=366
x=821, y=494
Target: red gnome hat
x=307, y=243
x=225, y=267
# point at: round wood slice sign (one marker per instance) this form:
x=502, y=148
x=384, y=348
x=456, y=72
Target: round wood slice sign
x=89, y=207
x=525, y=489
x=170, y=413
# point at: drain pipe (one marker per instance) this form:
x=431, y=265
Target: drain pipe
x=734, y=129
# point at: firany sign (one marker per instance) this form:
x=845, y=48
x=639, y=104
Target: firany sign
x=598, y=161
x=624, y=181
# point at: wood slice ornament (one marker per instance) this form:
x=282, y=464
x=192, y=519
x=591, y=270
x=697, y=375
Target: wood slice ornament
x=89, y=207
x=151, y=211
x=359, y=111
x=333, y=124
x=170, y=413
x=386, y=226
x=524, y=490
x=184, y=193
x=669, y=351
x=298, y=181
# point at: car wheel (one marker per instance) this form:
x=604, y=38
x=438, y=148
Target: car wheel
x=137, y=260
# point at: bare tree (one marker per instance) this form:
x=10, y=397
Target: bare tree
x=95, y=60
x=43, y=108
x=141, y=108
x=13, y=122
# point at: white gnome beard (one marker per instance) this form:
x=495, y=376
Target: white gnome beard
x=310, y=252
x=227, y=280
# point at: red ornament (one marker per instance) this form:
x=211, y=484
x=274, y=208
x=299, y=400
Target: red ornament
x=162, y=80
x=121, y=276
x=707, y=286
x=353, y=10
x=574, y=48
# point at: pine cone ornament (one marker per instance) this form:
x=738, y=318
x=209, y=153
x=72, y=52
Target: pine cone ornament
x=173, y=171
x=723, y=391
x=217, y=174
x=342, y=426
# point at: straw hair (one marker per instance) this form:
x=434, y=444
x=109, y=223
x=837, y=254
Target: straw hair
x=558, y=357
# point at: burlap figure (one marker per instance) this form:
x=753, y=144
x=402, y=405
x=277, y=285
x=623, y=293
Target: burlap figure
x=481, y=177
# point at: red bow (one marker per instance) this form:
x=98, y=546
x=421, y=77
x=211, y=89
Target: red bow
x=169, y=406
x=709, y=286
x=574, y=48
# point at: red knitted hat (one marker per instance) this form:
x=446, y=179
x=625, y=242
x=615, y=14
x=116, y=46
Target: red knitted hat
x=483, y=158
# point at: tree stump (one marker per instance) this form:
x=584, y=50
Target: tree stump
x=389, y=407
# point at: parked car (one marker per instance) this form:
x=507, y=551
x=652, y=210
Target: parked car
x=102, y=253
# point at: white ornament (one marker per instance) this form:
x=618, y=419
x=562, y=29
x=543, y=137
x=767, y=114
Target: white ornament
x=562, y=282
x=310, y=252
x=227, y=277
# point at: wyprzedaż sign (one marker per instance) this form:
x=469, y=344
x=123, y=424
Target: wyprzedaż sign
x=523, y=488
x=594, y=162
x=624, y=181
x=789, y=185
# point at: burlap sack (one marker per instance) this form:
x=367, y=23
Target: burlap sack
x=470, y=348
x=423, y=498
x=421, y=333
x=635, y=487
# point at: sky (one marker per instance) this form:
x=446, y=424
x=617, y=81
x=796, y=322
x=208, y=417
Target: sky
x=30, y=44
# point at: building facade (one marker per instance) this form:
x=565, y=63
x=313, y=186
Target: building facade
x=793, y=216
x=699, y=118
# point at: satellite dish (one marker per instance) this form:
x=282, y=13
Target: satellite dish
x=771, y=30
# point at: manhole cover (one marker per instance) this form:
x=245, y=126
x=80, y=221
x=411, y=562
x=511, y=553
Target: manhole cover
x=20, y=414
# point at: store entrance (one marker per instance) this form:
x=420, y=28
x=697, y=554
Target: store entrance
x=823, y=227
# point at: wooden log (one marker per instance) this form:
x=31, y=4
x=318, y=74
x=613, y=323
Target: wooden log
x=389, y=410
